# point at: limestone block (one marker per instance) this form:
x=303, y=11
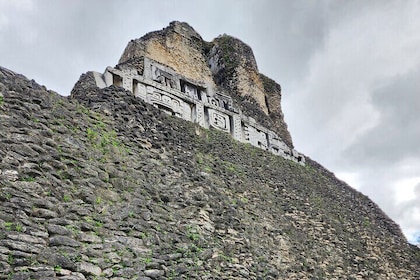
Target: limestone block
x=26, y=238
x=154, y=273
x=99, y=80
x=63, y=241
x=107, y=76
x=89, y=268
x=89, y=238
x=10, y=175
x=22, y=246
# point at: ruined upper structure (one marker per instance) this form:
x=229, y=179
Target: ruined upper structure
x=216, y=85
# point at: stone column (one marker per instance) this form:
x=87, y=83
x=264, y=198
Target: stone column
x=108, y=77
x=140, y=91
x=237, y=128
x=127, y=81
x=200, y=114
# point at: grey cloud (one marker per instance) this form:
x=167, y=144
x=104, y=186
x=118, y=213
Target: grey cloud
x=382, y=154
x=287, y=33
x=397, y=134
x=55, y=40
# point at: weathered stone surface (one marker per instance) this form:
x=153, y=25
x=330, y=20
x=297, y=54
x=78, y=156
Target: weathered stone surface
x=22, y=246
x=113, y=257
x=21, y=276
x=74, y=276
x=26, y=238
x=184, y=56
x=44, y=213
x=63, y=241
x=226, y=60
x=5, y=268
x=89, y=269
x=43, y=275
x=90, y=238
x=154, y=273
x=57, y=229
x=56, y=259
x=10, y=175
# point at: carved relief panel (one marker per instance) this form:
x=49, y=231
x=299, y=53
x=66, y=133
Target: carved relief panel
x=163, y=77
x=218, y=120
x=208, y=108
x=213, y=101
x=276, y=145
x=127, y=82
x=221, y=101
x=191, y=91
x=225, y=102
x=255, y=136
x=261, y=139
x=170, y=104
x=139, y=89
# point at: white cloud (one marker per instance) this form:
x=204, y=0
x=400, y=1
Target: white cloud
x=405, y=189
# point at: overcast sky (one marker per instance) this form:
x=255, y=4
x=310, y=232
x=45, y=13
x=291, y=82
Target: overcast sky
x=349, y=70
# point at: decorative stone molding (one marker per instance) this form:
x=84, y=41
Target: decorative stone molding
x=161, y=86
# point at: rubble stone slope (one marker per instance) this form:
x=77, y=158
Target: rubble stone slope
x=101, y=185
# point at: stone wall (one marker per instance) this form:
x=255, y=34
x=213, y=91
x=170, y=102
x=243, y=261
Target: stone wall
x=102, y=185
x=195, y=101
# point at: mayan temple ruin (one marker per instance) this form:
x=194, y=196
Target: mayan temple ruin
x=177, y=164
x=192, y=99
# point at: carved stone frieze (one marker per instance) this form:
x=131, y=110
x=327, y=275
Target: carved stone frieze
x=162, y=87
x=219, y=120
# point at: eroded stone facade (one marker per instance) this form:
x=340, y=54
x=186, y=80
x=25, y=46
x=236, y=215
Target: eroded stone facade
x=194, y=101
